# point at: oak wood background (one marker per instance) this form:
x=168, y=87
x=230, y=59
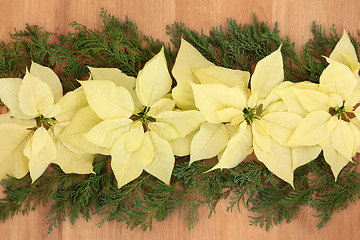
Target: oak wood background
x=152, y=16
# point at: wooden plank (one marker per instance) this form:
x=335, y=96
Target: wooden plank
x=294, y=17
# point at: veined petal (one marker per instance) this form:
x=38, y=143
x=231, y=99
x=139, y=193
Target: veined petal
x=164, y=130
x=238, y=148
x=281, y=125
x=153, y=81
x=336, y=160
x=268, y=73
x=164, y=104
x=84, y=120
x=337, y=78
x=210, y=98
x=107, y=100
x=184, y=122
x=188, y=60
x=104, y=133
x=220, y=75
x=312, y=100
x=181, y=146
x=335, y=100
x=228, y=114
x=355, y=127
x=343, y=140
x=134, y=137
x=311, y=131
x=278, y=161
x=13, y=137
x=261, y=136
x=70, y=104
x=73, y=162
x=343, y=46
x=163, y=162
x=353, y=99
x=129, y=166
x=304, y=155
x=208, y=142
x=34, y=95
x=9, y=89
x=48, y=76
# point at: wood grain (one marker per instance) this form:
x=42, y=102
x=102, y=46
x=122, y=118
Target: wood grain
x=294, y=19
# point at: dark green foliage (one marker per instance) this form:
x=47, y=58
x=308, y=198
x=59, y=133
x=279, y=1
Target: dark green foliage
x=119, y=44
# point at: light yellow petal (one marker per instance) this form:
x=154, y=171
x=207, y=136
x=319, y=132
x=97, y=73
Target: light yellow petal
x=343, y=139
x=209, y=141
x=275, y=107
x=335, y=100
x=73, y=162
x=268, y=74
x=129, y=166
x=107, y=100
x=181, y=146
x=134, y=137
x=34, y=95
x=153, y=81
x=221, y=75
x=337, y=78
x=104, y=133
x=70, y=104
x=353, y=99
x=355, y=127
x=343, y=46
x=336, y=160
x=304, y=155
x=291, y=101
x=84, y=120
x=210, y=98
x=228, y=114
x=13, y=137
x=238, y=148
x=278, y=161
x=163, y=162
x=332, y=123
x=311, y=131
x=312, y=100
x=9, y=89
x=164, y=104
x=281, y=125
x=48, y=76
x=188, y=60
x=164, y=130
x=184, y=122
x=261, y=136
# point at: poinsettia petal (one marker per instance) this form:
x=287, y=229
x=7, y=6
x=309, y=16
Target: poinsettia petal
x=181, y=146
x=153, y=81
x=34, y=95
x=163, y=162
x=336, y=160
x=104, y=133
x=48, y=76
x=278, y=161
x=237, y=149
x=311, y=131
x=230, y=114
x=107, y=100
x=128, y=166
x=343, y=139
x=164, y=104
x=353, y=99
x=312, y=100
x=304, y=155
x=261, y=136
x=210, y=98
x=84, y=120
x=134, y=137
x=337, y=78
x=164, y=130
x=268, y=74
x=344, y=45
x=70, y=104
x=184, y=122
x=209, y=141
x=221, y=75
x=9, y=89
x=187, y=60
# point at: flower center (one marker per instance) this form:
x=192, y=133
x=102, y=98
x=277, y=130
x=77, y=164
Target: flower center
x=143, y=118
x=250, y=114
x=341, y=113
x=42, y=121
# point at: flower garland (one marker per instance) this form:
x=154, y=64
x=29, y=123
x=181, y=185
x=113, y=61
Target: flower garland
x=142, y=123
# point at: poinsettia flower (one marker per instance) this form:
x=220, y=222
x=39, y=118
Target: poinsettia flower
x=331, y=124
x=240, y=121
x=138, y=120
x=35, y=99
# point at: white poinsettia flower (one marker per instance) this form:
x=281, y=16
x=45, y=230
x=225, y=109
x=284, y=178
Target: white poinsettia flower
x=334, y=123
x=38, y=100
x=259, y=121
x=137, y=120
